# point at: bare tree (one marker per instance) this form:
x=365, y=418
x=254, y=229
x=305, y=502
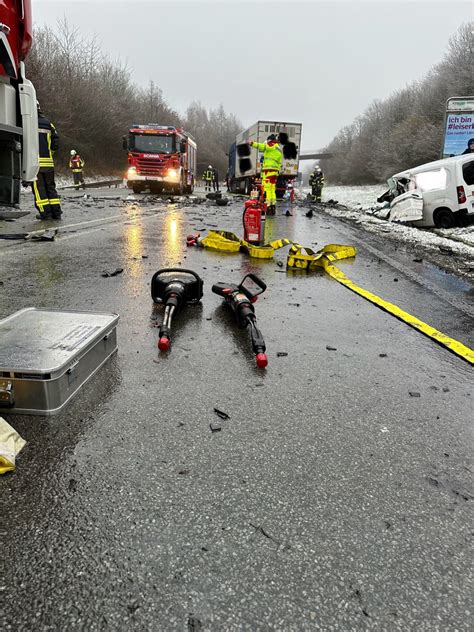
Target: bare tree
x=405, y=129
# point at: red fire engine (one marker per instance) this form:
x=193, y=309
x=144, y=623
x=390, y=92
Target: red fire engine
x=160, y=158
x=18, y=113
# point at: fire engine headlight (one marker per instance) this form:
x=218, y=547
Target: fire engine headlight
x=172, y=173
x=132, y=171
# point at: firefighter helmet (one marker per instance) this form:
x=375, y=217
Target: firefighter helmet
x=73, y=152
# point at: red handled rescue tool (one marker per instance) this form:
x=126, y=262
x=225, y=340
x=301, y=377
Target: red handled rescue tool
x=175, y=288
x=241, y=298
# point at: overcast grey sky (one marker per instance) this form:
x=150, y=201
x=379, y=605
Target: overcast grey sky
x=319, y=63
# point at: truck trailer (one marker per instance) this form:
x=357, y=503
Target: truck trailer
x=18, y=111
x=244, y=181
x=160, y=158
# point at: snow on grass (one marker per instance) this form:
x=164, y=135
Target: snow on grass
x=361, y=201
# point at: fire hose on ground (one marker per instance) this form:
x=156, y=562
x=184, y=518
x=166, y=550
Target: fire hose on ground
x=305, y=258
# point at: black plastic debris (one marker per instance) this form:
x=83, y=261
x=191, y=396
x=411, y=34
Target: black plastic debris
x=281, y=354
x=329, y=348
x=221, y=414
x=414, y=394
x=261, y=530
x=418, y=260
x=193, y=623
x=215, y=427
x=382, y=355
x=112, y=274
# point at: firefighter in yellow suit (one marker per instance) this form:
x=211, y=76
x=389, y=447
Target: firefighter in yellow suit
x=272, y=161
x=47, y=200
x=208, y=177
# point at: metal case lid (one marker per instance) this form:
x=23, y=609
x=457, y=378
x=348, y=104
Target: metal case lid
x=40, y=341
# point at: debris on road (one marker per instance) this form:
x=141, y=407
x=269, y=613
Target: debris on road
x=48, y=234
x=264, y=533
x=414, y=394
x=112, y=274
x=215, y=427
x=281, y=354
x=329, y=348
x=221, y=414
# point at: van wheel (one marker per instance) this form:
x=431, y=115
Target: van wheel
x=443, y=218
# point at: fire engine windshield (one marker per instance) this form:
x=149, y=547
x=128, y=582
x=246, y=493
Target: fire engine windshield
x=153, y=143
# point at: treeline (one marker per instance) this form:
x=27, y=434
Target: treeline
x=405, y=129
x=92, y=100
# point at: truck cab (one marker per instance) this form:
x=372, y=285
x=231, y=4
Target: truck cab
x=160, y=158
x=18, y=111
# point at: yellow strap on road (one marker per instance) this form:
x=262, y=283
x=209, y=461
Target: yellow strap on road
x=225, y=241
x=305, y=258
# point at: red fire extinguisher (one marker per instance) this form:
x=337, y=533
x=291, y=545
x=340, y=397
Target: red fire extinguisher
x=253, y=218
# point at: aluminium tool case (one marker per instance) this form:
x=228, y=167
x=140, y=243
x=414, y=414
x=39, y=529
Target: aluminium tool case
x=47, y=355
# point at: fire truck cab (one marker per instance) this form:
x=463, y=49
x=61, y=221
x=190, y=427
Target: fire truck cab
x=160, y=158
x=18, y=112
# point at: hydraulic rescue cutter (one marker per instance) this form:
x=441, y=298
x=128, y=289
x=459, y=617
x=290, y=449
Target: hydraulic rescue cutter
x=241, y=298
x=174, y=288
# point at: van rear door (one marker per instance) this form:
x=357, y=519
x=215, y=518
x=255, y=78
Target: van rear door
x=467, y=182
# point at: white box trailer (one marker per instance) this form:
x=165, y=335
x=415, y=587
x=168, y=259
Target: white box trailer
x=242, y=181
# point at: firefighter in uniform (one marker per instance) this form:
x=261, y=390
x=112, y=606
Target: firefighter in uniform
x=316, y=182
x=208, y=177
x=272, y=161
x=76, y=164
x=47, y=200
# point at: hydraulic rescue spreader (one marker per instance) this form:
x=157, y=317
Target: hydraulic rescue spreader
x=241, y=298
x=175, y=288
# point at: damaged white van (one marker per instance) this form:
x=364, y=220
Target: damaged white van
x=439, y=193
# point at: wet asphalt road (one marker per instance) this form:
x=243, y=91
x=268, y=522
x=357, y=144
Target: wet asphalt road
x=330, y=500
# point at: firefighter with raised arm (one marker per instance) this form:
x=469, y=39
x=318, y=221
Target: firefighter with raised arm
x=208, y=177
x=47, y=200
x=272, y=161
x=316, y=182
x=76, y=165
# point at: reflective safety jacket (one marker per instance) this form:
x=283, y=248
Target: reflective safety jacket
x=272, y=155
x=76, y=164
x=208, y=174
x=316, y=179
x=48, y=142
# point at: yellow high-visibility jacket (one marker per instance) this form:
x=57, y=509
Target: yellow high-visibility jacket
x=76, y=164
x=272, y=155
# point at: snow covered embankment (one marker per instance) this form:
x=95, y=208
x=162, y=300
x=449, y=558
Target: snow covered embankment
x=361, y=203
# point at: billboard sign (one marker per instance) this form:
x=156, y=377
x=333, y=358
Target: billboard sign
x=458, y=126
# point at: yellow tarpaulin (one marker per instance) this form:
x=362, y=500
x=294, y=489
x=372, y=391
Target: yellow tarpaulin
x=10, y=445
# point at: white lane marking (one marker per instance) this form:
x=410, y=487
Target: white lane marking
x=11, y=248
